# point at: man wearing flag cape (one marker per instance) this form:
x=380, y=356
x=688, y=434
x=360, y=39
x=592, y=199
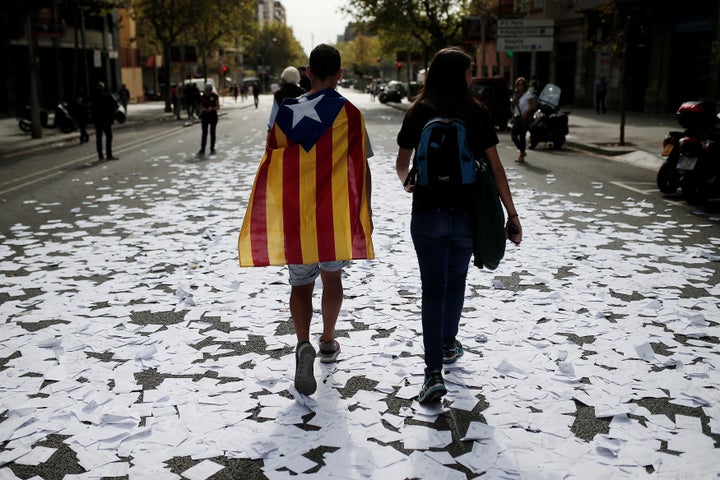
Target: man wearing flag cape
x=310, y=204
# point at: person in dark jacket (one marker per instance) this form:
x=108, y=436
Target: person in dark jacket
x=289, y=88
x=209, y=106
x=79, y=111
x=103, y=110
x=304, y=79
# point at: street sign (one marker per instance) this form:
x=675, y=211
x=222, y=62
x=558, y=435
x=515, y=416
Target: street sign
x=525, y=22
x=525, y=35
x=536, y=44
x=525, y=32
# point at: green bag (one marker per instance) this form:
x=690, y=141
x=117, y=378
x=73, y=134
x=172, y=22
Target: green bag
x=487, y=220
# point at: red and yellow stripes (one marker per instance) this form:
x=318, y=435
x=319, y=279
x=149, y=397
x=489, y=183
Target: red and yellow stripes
x=308, y=207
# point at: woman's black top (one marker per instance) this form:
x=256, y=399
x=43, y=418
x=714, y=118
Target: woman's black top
x=481, y=135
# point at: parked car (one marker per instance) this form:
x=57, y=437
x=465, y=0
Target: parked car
x=394, y=91
x=494, y=93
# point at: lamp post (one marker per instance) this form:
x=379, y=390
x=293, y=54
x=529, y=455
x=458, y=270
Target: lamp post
x=266, y=68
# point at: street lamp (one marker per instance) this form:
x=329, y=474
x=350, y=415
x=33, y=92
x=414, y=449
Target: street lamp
x=266, y=68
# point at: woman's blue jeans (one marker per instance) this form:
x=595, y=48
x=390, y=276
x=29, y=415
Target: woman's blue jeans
x=443, y=243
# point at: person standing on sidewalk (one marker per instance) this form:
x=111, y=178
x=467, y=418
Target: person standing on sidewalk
x=103, y=108
x=600, y=94
x=208, y=107
x=124, y=95
x=256, y=94
x=323, y=176
x=522, y=106
x=79, y=111
x=440, y=222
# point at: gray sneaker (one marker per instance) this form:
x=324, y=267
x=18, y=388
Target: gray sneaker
x=329, y=351
x=304, y=362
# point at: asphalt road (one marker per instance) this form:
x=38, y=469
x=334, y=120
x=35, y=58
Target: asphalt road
x=53, y=185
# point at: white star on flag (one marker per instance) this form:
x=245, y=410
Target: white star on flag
x=305, y=108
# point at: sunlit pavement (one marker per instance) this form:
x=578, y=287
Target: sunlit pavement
x=134, y=345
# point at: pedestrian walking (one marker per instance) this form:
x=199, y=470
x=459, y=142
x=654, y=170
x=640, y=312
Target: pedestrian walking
x=523, y=106
x=439, y=225
x=600, y=94
x=124, y=96
x=289, y=88
x=304, y=80
x=235, y=91
x=256, y=94
x=103, y=108
x=209, y=106
x=192, y=97
x=178, y=101
x=79, y=111
x=324, y=175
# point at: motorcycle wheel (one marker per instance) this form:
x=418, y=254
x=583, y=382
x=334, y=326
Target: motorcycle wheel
x=66, y=126
x=692, y=191
x=558, y=142
x=25, y=125
x=667, y=180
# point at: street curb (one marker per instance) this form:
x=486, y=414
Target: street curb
x=64, y=139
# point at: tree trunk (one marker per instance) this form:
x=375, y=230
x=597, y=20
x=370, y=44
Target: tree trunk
x=166, y=69
x=621, y=95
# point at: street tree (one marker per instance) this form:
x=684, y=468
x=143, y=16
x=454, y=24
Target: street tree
x=361, y=54
x=163, y=22
x=432, y=24
x=220, y=23
x=614, y=27
x=273, y=48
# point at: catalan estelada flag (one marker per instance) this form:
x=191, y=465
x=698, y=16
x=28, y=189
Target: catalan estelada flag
x=309, y=202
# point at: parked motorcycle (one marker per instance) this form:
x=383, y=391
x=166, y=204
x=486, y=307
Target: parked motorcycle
x=692, y=157
x=24, y=118
x=549, y=124
x=61, y=118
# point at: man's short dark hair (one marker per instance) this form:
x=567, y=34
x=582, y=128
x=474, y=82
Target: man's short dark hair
x=324, y=61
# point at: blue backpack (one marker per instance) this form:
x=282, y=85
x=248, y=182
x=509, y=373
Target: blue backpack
x=443, y=157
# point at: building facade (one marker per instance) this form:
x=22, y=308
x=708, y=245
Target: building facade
x=654, y=57
x=59, y=50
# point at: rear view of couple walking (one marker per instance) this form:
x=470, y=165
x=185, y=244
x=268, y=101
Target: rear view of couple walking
x=323, y=129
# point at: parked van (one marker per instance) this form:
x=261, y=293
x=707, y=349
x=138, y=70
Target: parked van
x=200, y=82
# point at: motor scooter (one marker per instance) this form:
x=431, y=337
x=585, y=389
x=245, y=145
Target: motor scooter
x=61, y=118
x=24, y=118
x=692, y=157
x=549, y=124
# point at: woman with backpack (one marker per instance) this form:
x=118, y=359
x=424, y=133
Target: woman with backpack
x=439, y=225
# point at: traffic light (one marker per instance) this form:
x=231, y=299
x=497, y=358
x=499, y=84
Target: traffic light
x=224, y=70
x=399, y=66
x=509, y=53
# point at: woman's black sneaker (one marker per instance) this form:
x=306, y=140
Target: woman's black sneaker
x=433, y=387
x=452, y=352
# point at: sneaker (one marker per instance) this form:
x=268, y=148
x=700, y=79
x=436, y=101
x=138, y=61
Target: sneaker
x=452, y=352
x=433, y=387
x=329, y=351
x=212, y=152
x=112, y=157
x=200, y=153
x=304, y=376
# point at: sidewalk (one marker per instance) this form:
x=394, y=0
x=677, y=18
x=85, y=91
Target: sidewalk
x=14, y=141
x=588, y=131
x=600, y=134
